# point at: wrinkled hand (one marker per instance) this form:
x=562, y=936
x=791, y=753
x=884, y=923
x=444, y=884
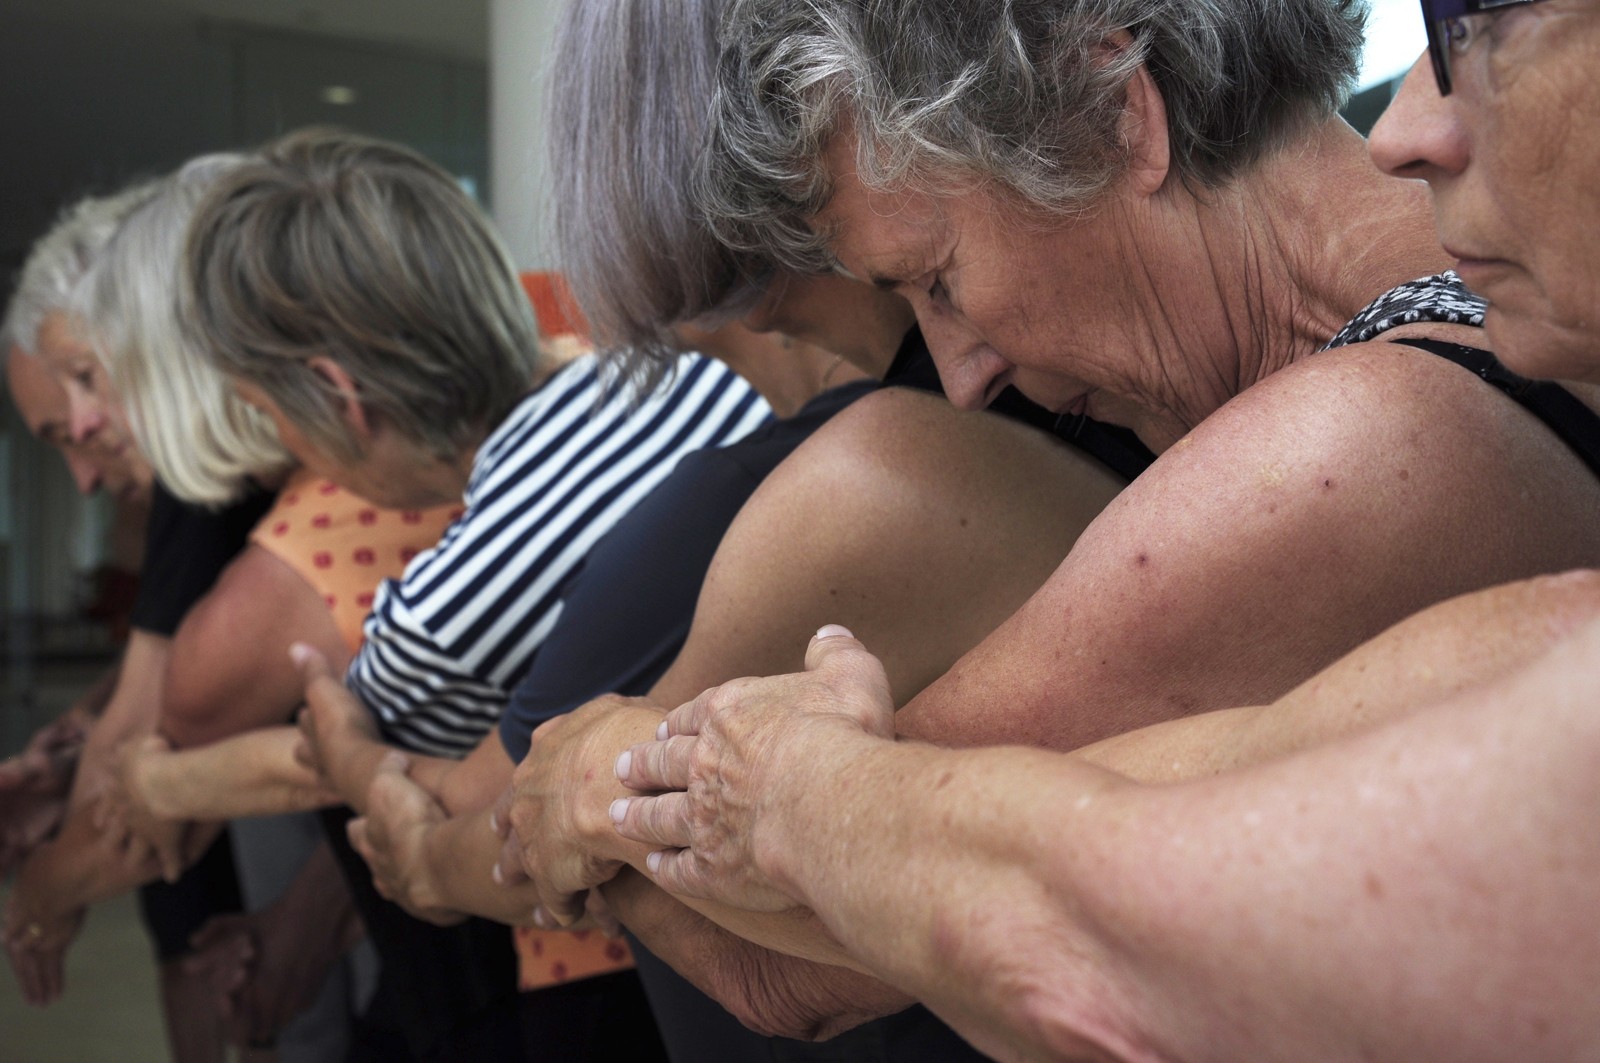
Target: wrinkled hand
x=34, y=786
x=124, y=813
x=37, y=935
x=392, y=838
x=554, y=818
x=729, y=762
x=332, y=716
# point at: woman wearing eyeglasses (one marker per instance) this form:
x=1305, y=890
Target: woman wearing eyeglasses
x=1419, y=887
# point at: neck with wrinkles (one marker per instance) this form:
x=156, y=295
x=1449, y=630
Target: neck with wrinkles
x=1264, y=271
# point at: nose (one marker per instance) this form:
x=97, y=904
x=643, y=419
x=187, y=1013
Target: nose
x=1420, y=135
x=85, y=417
x=85, y=476
x=967, y=365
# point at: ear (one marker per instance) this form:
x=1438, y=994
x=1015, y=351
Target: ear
x=1144, y=126
x=351, y=410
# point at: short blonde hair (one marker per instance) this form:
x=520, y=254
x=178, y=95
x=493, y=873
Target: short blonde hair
x=333, y=245
x=203, y=441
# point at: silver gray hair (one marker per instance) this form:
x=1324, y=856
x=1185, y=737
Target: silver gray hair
x=1022, y=97
x=203, y=441
x=626, y=116
x=328, y=244
x=61, y=258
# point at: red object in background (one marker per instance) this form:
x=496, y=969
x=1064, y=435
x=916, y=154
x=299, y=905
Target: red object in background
x=552, y=304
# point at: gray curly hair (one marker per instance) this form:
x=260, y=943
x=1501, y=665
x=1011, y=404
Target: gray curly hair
x=1021, y=96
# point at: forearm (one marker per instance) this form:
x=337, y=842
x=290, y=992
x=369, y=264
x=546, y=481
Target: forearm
x=350, y=760
x=253, y=774
x=459, y=856
x=1437, y=654
x=953, y=897
x=132, y=709
x=77, y=869
x=772, y=993
x=467, y=785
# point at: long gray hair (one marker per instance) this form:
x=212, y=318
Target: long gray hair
x=203, y=441
x=627, y=123
x=1022, y=96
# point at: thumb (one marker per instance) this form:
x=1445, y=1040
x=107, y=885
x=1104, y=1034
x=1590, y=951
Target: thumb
x=394, y=762
x=834, y=650
x=312, y=664
x=830, y=639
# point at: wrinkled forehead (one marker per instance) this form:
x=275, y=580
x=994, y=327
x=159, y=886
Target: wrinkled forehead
x=39, y=397
x=879, y=236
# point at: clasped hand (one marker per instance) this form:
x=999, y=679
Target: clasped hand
x=727, y=766
x=554, y=819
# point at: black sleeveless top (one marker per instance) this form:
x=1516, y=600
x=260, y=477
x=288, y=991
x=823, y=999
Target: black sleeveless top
x=1117, y=448
x=1444, y=298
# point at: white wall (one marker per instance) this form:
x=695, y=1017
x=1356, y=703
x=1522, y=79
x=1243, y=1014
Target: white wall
x=519, y=36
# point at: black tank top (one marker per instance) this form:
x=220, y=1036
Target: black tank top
x=1444, y=298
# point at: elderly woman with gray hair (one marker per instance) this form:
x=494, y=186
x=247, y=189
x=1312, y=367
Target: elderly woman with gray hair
x=726, y=564
x=1150, y=212
x=1419, y=889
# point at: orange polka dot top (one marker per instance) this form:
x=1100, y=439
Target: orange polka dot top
x=343, y=545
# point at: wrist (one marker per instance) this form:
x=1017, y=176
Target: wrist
x=814, y=774
x=627, y=726
x=426, y=886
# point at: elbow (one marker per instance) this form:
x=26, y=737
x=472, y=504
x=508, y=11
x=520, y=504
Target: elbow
x=188, y=721
x=1056, y=1020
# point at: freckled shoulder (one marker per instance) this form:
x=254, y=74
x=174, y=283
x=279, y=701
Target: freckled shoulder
x=1316, y=509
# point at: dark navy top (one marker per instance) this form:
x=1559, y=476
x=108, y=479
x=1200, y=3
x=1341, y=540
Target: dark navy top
x=626, y=612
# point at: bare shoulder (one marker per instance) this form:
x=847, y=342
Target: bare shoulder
x=917, y=526
x=898, y=440
x=229, y=661
x=1368, y=396
x=1312, y=512
x=1408, y=431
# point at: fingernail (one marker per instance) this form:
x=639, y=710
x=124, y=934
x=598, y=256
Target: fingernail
x=494, y=873
x=653, y=861
x=494, y=822
x=833, y=631
x=299, y=653
x=619, y=809
x=624, y=763
x=541, y=919
x=662, y=733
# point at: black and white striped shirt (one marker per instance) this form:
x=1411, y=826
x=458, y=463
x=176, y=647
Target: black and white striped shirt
x=447, y=643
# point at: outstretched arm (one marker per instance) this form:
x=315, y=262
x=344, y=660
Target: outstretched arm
x=1339, y=902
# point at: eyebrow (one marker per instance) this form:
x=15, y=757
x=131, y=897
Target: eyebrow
x=901, y=272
